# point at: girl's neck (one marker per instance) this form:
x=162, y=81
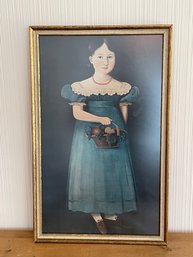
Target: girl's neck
x=101, y=79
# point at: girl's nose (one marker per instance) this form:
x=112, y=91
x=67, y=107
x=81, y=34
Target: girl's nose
x=106, y=61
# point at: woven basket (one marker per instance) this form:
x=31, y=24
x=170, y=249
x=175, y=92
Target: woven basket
x=106, y=136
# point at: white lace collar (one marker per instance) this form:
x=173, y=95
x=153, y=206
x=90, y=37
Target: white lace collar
x=88, y=90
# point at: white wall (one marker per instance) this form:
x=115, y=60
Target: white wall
x=15, y=96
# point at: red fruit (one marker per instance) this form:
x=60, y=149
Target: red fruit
x=96, y=131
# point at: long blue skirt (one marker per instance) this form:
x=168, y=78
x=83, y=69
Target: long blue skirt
x=100, y=180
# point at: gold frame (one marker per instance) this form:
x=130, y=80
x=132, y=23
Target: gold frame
x=35, y=33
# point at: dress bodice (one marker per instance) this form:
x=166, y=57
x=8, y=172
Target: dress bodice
x=114, y=99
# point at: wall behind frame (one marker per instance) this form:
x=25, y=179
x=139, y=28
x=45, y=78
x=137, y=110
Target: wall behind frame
x=15, y=97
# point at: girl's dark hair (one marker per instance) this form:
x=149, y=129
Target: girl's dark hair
x=99, y=41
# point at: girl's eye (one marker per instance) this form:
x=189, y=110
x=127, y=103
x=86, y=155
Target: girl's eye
x=110, y=57
x=99, y=57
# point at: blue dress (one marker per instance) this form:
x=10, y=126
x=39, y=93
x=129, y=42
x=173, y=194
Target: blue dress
x=100, y=180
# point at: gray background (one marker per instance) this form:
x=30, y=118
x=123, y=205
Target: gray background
x=64, y=59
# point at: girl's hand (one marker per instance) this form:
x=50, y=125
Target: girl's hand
x=105, y=120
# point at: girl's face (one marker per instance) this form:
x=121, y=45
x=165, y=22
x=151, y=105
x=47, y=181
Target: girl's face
x=103, y=60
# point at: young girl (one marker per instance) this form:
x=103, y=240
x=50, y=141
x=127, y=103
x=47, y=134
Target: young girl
x=100, y=180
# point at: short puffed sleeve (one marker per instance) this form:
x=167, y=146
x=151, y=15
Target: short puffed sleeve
x=72, y=97
x=130, y=97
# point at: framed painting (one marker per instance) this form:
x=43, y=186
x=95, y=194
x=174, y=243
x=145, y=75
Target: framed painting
x=100, y=115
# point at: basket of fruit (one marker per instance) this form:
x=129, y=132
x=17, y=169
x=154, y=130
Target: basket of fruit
x=107, y=136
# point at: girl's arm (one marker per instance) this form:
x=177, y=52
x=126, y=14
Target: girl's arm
x=124, y=111
x=80, y=114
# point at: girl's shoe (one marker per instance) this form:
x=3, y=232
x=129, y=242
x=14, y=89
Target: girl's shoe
x=101, y=227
